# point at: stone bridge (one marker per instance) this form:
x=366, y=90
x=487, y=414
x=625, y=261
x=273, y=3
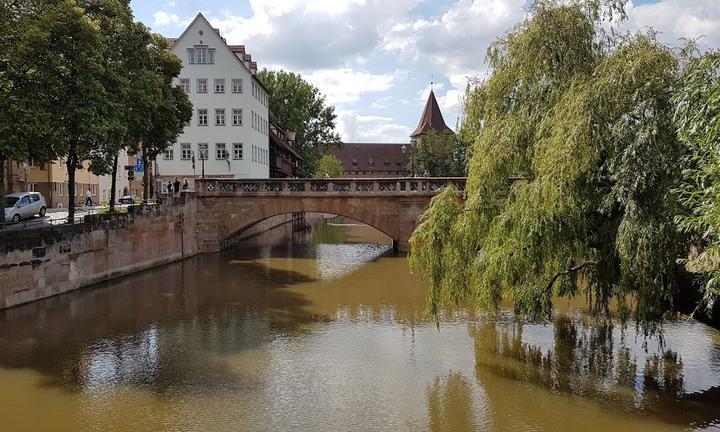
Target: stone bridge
x=226, y=208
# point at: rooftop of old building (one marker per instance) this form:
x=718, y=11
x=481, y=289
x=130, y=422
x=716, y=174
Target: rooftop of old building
x=431, y=119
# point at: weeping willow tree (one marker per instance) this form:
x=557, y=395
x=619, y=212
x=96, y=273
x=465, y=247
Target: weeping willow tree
x=570, y=183
x=698, y=118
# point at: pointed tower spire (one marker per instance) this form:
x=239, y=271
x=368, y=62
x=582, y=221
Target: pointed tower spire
x=432, y=119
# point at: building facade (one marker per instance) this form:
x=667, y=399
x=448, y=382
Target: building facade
x=284, y=159
x=374, y=159
x=51, y=180
x=228, y=136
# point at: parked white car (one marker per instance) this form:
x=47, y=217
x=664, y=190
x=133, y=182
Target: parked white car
x=19, y=206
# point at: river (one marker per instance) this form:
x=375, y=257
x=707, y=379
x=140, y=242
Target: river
x=327, y=331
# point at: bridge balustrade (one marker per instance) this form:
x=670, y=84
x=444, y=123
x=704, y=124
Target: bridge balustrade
x=384, y=186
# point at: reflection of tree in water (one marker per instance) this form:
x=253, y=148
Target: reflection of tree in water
x=449, y=404
x=169, y=328
x=328, y=234
x=586, y=361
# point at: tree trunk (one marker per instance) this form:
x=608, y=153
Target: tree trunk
x=113, y=184
x=71, y=166
x=146, y=177
x=151, y=178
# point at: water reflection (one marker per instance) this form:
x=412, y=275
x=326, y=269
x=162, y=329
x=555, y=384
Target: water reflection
x=600, y=363
x=314, y=335
x=449, y=404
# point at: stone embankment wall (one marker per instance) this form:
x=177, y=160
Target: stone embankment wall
x=43, y=262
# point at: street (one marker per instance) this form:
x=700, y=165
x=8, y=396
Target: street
x=56, y=216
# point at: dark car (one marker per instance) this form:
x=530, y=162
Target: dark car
x=127, y=199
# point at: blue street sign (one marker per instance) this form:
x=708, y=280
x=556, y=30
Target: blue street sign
x=139, y=167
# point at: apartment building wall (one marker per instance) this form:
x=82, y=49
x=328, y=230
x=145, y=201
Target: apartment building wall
x=251, y=134
x=51, y=180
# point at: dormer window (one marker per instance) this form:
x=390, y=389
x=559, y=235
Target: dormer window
x=370, y=162
x=354, y=162
x=201, y=55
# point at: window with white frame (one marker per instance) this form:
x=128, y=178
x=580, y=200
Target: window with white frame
x=203, y=151
x=253, y=154
x=201, y=55
x=237, y=151
x=169, y=153
x=220, y=151
x=202, y=85
x=202, y=117
x=186, y=151
x=237, y=85
x=220, y=117
x=219, y=86
x=252, y=117
x=185, y=84
x=237, y=116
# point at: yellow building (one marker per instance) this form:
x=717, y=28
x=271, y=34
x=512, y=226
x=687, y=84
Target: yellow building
x=51, y=180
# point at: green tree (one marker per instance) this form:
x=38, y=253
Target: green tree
x=439, y=155
x=571, y=179
x=299, y=106
x=156, y=111
x=139, y=74
x=66, y=105
x=24, y=133
x=698, y=120
x=328, y=166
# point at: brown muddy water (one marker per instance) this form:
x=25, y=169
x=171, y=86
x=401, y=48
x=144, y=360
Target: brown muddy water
x=327, y=331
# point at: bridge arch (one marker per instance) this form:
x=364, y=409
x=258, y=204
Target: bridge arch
x=229, y=240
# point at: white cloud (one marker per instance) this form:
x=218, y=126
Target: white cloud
x=677, y=19
x=346, y=85
x=304, y=34
x=423, y=94
x=456, y=42
x=164, y=18
x=354, y=127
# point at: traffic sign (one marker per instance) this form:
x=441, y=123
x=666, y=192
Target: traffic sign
x=139, y=166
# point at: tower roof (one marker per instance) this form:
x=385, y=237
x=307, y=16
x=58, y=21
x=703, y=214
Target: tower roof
x=432, y=119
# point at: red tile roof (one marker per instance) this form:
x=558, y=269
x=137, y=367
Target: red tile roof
x=432, y=119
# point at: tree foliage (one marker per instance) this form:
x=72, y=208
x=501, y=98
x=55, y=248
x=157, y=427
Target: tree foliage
x=439, y=155
x=571, y=178
x=80, y=80
x=698, y=120
x=328, y=166
x=299, y=106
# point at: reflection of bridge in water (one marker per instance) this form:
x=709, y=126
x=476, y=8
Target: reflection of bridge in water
x=226, y=208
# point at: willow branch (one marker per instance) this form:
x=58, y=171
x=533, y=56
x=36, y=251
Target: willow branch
x=569, y=271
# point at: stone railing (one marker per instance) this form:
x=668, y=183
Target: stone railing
x=338, y=186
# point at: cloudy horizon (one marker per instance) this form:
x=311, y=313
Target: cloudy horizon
x=374, y=60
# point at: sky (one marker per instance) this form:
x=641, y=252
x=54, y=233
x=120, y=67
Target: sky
x=375, y=59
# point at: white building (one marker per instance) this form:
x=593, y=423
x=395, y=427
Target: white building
x=229, y=130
